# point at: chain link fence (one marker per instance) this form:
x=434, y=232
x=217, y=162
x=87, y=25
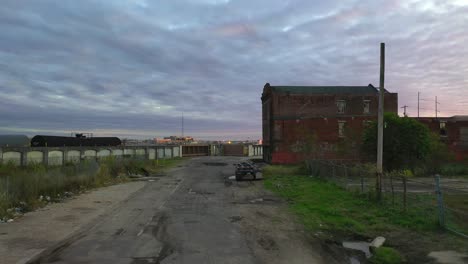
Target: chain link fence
x=443, y=200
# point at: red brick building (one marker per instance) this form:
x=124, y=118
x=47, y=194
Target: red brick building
x=328, y=116
x=453, y=131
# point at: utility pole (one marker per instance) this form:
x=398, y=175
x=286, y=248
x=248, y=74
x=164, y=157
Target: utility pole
x=380, y=123
x=418, y=104
x=404, y=107
x=436, y=104
x=182, y=124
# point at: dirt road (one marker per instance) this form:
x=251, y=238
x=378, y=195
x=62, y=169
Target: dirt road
x=194, y=214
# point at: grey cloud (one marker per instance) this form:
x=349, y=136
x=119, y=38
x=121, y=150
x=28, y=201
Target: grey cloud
x=133, y=64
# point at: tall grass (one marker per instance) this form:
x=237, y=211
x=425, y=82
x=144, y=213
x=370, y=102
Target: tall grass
x=34, y=185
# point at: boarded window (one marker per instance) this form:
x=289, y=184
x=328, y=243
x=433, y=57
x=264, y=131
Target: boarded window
x=464, y=134
x=443, y=129
x=341, y=105
x=277, y=131
x=366, y=106
x=341, y=128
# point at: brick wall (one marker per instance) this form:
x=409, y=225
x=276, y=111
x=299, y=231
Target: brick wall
x=290, y=118
x=453, y=137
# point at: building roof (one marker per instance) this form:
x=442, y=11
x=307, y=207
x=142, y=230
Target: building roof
x=460, y=118
x=369, y=89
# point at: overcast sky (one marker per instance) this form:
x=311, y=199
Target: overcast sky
x=130, y=68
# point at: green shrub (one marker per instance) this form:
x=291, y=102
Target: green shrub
x=454, y=169
x=386, y=255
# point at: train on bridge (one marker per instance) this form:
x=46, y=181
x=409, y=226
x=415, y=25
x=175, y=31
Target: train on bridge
x=57, y=141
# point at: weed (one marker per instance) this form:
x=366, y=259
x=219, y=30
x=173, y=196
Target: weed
x=29, y=187
x=386, y=255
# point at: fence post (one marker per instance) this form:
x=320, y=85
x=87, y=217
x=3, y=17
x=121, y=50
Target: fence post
x=404, y=194
x=362, y=184
x=346, y=177
x=440, y=202
x=8, y=190
x=393, y=189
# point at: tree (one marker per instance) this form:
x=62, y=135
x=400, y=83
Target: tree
x=407, y=142
x=439, y=155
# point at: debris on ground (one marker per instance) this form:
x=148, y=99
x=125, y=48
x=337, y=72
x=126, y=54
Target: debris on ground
x=376, y=243
x=448, y=257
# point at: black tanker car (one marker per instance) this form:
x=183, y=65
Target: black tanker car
x=56, y=141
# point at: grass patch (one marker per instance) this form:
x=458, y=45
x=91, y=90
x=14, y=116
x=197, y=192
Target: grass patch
x=345, y=215
x=27, y=188
x=324, y=205
x=386, y=255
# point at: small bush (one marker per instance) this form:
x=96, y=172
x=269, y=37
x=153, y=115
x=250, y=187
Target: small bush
x=386, y=255
x=454, y=170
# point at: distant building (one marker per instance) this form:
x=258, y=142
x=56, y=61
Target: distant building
x=453, y=131
x=328, y=116
x=174, y=140
x=14, y=141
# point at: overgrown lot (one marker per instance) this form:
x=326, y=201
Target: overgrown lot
x=332, y=213
x=24, y=189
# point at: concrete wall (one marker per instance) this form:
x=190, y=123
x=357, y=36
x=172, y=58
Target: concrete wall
x=57, y=156
x=454, y=133
x=34, y=157
x=255, y=150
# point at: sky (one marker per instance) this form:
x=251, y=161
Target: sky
x=132, y=68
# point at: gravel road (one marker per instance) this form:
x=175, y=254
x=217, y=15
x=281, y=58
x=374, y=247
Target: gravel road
x=194, y=214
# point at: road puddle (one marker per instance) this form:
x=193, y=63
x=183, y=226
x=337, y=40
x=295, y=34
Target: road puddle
x=362, y=246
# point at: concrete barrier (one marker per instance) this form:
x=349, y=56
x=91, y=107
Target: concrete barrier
x=140, y=152
x=117, y=153
x=151, y=154
x=103, y=153
x=55, y=158
x=13, y=157
x=34, y=157
x=89, y=154
x=60, y=155
x=73, y=156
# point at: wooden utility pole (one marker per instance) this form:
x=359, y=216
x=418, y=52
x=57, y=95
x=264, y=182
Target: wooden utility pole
x=380, y=123
x=182, y=128
x=418, y=104
x=404, y=107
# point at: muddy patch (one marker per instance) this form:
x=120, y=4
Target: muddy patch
x=191, y=222
x=83, y=210
x=119, y=232
x=200, y=192
x=161, y=234
x=266, y=200
x=217, y=164
x=236, y=218
x=267, y=243
x=66, y=218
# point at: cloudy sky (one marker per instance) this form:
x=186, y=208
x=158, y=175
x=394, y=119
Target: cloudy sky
x=130, y=68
